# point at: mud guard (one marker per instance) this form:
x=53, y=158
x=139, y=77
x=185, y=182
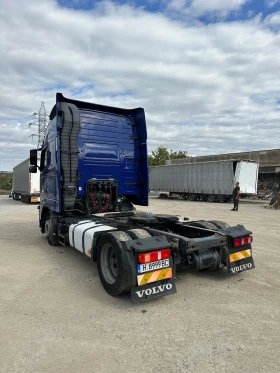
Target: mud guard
x=238, y=259
x=156, y=288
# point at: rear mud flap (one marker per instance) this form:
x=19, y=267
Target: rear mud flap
x=241, y=265
x=153, y=290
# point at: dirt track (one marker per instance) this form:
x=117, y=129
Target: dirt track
x=56, y=317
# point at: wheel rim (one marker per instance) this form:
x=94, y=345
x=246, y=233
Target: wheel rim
x=109, y=263
x=48, y=227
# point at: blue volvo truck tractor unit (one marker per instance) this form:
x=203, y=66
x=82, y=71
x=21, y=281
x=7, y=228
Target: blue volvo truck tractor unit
x=93, y=171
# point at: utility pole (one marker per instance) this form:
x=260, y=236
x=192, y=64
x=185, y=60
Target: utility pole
x=41, y=124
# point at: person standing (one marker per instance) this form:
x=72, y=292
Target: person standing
x=235, y=195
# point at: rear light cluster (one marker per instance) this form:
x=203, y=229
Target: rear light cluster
x=237, y=242
x=153, y=256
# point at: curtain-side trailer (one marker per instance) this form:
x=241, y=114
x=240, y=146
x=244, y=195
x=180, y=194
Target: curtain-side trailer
x=205, y=181
x=26, y=185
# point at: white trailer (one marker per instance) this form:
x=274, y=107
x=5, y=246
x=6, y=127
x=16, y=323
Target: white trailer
x=205, y=181
x=26, y=185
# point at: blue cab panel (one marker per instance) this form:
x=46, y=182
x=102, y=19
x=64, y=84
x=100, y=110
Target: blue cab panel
x=86, y=141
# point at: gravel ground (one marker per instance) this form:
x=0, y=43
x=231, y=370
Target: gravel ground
x=56, y=317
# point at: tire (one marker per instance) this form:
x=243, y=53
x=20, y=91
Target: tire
x=143, y=220
x=51, y=230
x=25, y=198
x=138, y=233
x=192, y=197
x=219, y=224
x=164, y=218
x=113, y=263
x=210, y=198
x=203, y=224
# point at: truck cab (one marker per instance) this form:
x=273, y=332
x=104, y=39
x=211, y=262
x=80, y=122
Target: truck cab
x=94, y=148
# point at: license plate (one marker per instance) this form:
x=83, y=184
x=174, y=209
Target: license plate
x=141, y=268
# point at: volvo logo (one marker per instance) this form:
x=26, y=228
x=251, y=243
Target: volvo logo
x=241, y=268
x=154, y=290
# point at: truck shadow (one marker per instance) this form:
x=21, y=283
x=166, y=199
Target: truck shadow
x=79, y=273
x=214, y=275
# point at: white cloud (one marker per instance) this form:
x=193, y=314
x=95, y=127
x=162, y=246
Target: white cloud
x=272, y=3
x=205, y=7
x=207, y=89
x=273, y=19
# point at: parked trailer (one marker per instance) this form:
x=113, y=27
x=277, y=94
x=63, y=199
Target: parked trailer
x=93, y=171
x=26, y=185
x=205, y=181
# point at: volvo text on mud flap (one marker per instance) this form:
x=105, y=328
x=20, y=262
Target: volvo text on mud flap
x=147, y=292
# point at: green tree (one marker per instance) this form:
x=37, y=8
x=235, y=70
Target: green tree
x=5, y=181
x=178, y=154
x=161, y=154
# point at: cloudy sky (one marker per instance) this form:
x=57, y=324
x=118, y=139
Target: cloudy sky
x=207, y=72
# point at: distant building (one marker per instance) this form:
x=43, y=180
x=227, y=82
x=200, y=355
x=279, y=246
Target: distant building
x=269, y=160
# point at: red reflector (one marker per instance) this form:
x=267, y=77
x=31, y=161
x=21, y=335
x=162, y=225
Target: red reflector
x=237, y=242
x=153, y=256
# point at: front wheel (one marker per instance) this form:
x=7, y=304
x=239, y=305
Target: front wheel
x=113, y=263
x=51, y=230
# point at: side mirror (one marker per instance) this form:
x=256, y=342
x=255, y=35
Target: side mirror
x=33, y=169
x=33, y=158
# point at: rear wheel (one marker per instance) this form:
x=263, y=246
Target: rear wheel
x=192, y=197
x=203, y=224
x=113, y=263
x=219, y=224
x=25, y=198
x=139, y=233
x=210, y=198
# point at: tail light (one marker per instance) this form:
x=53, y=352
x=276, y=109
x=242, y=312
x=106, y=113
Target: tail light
x=153, y=256
x=237, y=242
